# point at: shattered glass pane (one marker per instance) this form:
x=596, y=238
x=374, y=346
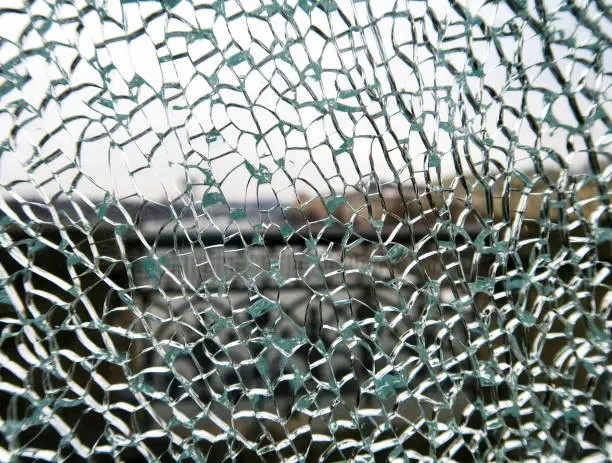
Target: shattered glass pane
x=305, y=230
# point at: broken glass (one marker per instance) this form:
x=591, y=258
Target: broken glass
x=305, y=230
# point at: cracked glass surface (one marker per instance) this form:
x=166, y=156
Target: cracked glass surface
x=305, y=230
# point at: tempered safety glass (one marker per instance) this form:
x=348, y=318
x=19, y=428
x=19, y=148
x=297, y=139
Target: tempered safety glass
x=305, y=230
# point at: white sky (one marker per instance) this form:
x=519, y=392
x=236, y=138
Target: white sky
x=245, y=107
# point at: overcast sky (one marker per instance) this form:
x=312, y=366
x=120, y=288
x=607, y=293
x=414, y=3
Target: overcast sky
x=322, y=112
